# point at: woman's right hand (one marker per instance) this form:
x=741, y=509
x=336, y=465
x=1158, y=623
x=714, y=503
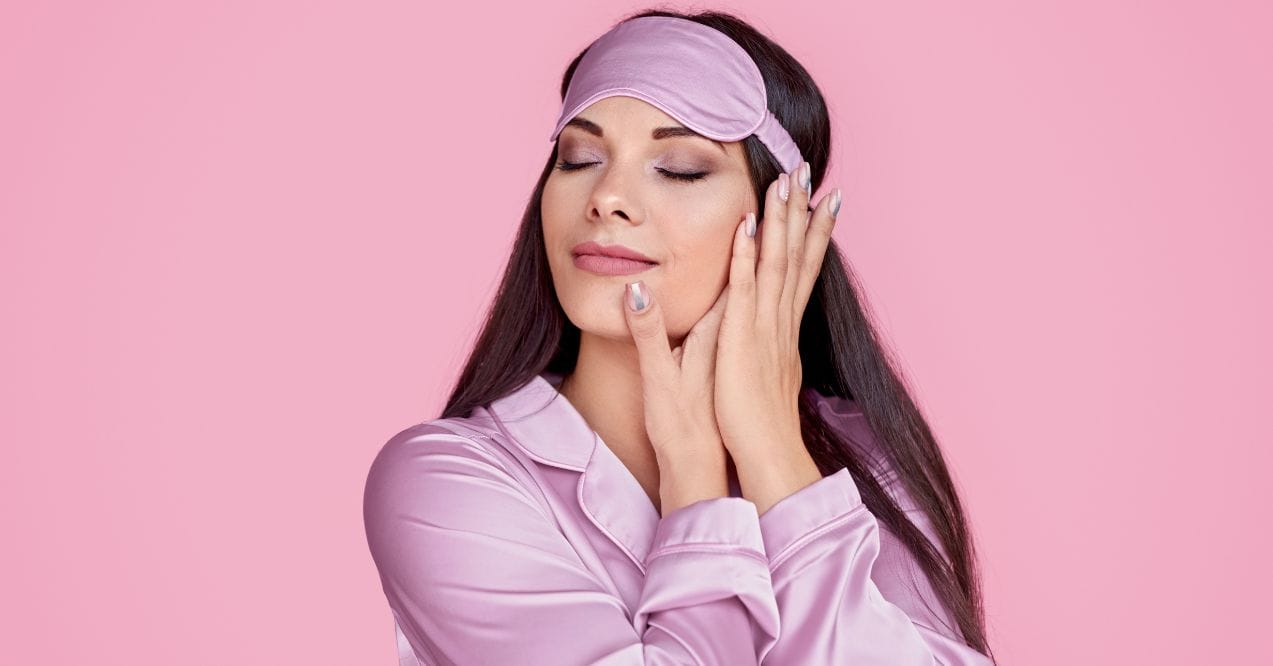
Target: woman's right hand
x=678, y=390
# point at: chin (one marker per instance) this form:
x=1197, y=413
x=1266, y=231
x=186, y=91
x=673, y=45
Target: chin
x=606, y=319
x=599, y=315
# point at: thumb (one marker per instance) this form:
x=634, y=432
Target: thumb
x=702, y=339
x=645, y=322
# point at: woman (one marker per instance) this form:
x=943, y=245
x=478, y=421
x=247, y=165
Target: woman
x=677, y=439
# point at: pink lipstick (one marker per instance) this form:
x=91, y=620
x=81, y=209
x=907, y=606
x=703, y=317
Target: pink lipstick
x=610, y=259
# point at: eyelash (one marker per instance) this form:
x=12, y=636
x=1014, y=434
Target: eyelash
x=674, y=175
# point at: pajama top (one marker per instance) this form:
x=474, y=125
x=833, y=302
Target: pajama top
x=516, y=536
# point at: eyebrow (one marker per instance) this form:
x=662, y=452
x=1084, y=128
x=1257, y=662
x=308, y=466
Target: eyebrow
x=658, y=133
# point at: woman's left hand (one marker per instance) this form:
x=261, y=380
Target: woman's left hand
x=758, y=373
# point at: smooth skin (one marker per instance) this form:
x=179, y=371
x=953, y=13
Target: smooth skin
x=747, y=347
x=709, y=371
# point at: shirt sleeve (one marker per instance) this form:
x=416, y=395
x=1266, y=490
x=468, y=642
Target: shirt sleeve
x=839, y=602
x=477, y=571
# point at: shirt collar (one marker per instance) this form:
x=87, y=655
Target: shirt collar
x=545, y=425
x=549, y=428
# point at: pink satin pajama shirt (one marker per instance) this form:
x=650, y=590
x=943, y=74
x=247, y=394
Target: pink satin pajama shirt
x=516, y=536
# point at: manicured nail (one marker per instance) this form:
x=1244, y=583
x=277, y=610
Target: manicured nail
x=806, y=177
x=835, y=202
x=784, y=186
x=636, y=296
x=750, y=228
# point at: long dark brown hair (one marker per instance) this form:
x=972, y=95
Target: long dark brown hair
x=526, y=332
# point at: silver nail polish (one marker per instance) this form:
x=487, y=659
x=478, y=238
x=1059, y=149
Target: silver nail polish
x=636, y=299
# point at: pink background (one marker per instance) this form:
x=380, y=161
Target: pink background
x=243, y=243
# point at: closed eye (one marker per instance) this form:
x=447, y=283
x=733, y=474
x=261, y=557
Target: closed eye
x=674, y=175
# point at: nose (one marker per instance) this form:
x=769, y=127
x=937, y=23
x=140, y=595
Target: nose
x=614, y=194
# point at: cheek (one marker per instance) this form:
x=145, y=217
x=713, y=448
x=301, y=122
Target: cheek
x=551, y=209
x=558, y=211
x=697, y=274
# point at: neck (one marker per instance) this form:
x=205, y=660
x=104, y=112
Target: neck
x=605, y=388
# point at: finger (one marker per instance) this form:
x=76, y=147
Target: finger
x=700, y=361
x=817, y=240
x=654, y=354
x=743, y=274
x=771, y=272
x=797, y=221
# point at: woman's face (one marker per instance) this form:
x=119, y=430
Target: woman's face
x=625, y=191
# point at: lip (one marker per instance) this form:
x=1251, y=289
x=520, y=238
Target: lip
x=610, y=259
x=602, y=265
x=620, y=251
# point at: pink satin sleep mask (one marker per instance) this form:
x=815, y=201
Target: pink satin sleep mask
x=694, y=73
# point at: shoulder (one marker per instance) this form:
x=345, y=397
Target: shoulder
x=897, y=572
x=442, y=434
x=432, y=438
x=845, y=416
x=420, y=460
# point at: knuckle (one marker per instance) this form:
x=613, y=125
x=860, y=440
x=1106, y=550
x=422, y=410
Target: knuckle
x=795, y=257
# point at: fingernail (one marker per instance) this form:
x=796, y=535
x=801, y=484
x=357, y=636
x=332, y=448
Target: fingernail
x=636, y=296
x=806, y=177
x=784, y=186
x=835, y=202
x=750, y=228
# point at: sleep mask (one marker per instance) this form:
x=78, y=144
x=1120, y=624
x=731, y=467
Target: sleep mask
x=693, y=72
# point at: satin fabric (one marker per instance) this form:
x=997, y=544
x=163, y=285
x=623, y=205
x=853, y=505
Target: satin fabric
x=516, y=536
x=693, y=72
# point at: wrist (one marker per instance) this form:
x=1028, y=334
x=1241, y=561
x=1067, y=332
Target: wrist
x=708, y=451
x=686, y=477
x=768, y=477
